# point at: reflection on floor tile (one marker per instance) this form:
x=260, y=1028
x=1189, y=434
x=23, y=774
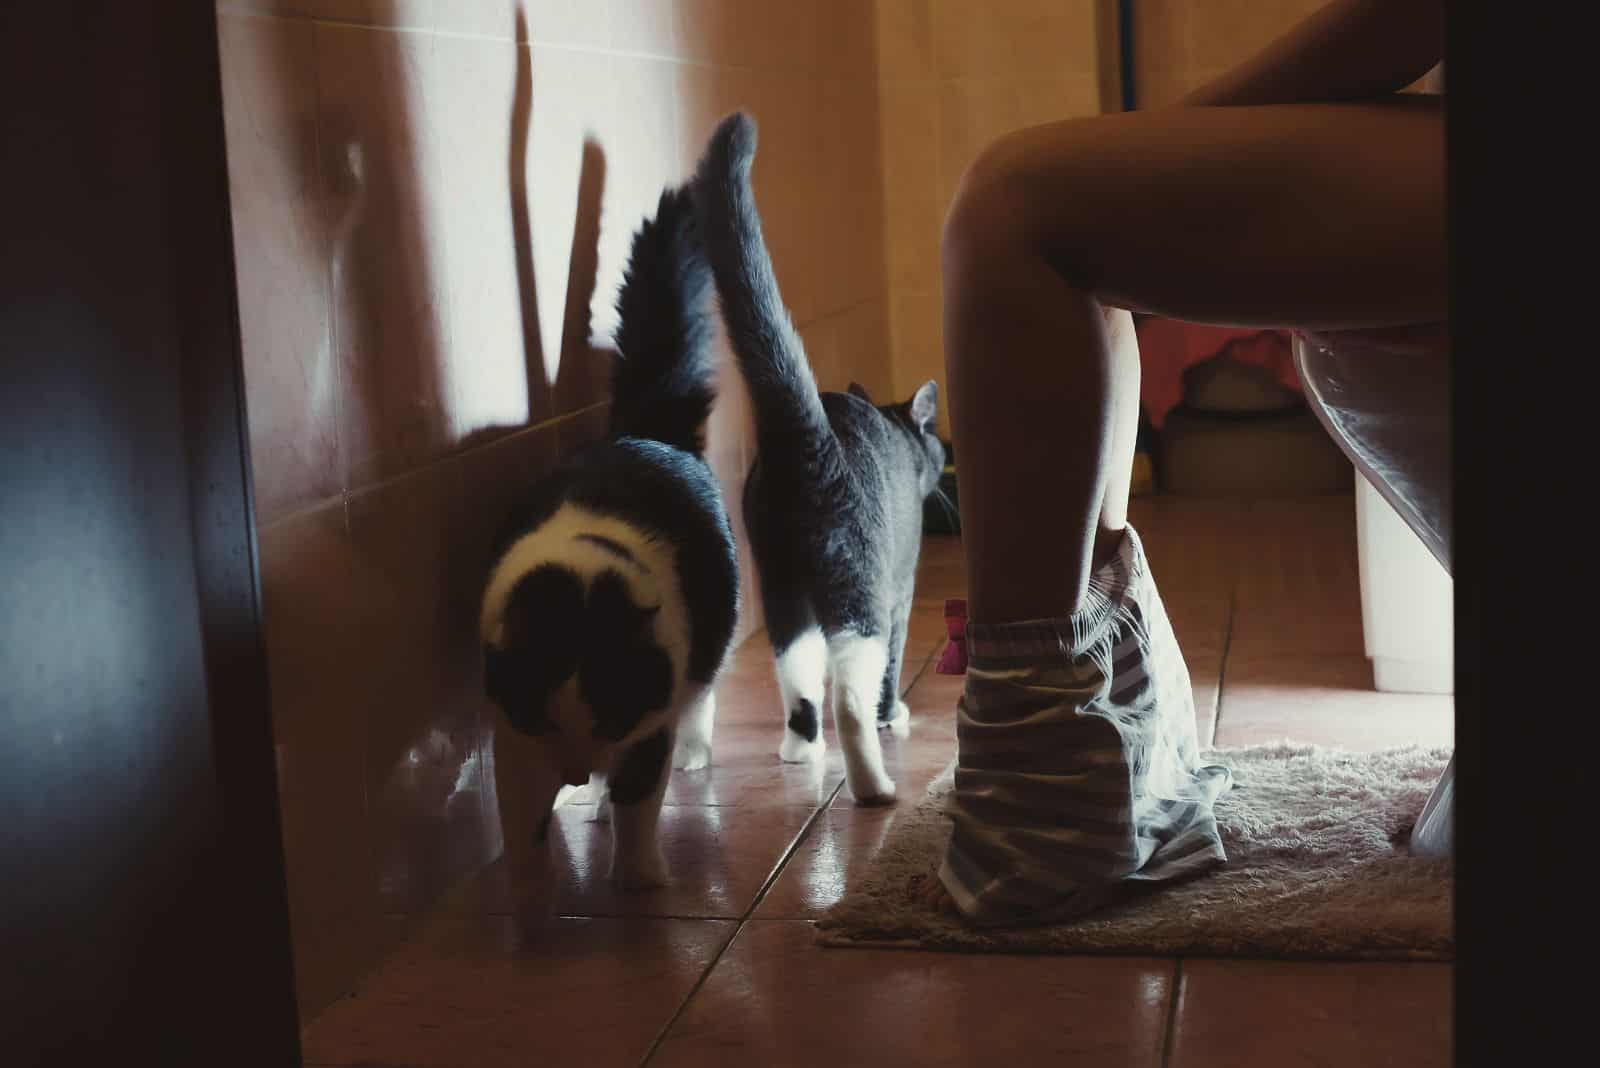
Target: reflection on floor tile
x=719, y=858
x=778, y=999
x=491, y=991
x=1286, y=1015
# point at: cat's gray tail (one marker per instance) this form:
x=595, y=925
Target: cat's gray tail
x=771, y=355
x=661, y=386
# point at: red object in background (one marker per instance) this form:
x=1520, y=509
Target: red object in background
x=1168, y=348
x=953, y=661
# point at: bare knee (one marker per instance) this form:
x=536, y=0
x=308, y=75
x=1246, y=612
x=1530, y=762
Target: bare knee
x=986, y=222
x=1028, y=189
x=1022, y=223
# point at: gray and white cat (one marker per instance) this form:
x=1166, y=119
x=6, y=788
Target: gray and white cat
x=834, y=500
x=611, y=604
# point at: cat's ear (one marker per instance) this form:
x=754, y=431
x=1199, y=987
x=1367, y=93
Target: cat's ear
x=858, y=390
x=925, y=406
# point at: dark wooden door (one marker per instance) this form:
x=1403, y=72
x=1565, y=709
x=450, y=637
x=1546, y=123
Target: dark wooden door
x=141, y=871
x=1519, y=85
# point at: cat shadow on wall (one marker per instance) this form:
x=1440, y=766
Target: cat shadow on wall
x=582, y=368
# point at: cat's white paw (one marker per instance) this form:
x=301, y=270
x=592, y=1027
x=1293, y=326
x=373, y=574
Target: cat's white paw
x=602, y=810
x=796, y=750
x=864, y=772
x=870, y=788
x=900, y=724
x=691, y=754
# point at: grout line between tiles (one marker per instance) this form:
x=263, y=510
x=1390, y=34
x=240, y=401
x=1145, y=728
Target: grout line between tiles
x=1170, y=1038
x=1222, y=670
x=905, y=691
x=430, y=466
x=661, y=1036
x=788, y=854
x=742, y=922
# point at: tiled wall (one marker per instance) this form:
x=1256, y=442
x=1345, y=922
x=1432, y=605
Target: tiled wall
x=953, y=75
x=433, y=200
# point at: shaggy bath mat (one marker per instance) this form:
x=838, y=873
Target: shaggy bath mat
x=1317, y=868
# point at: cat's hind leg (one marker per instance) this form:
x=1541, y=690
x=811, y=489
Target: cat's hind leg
x=693, y=749
x=635, y=788
x=526, y=786
x=892, y=711
x=859, y=665
x=802, y=677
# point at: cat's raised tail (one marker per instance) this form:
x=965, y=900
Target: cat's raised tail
x=764, y=339
x=662, y=386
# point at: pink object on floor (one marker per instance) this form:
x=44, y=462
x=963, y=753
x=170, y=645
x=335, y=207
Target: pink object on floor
x=953, y=661
x=1168, y=348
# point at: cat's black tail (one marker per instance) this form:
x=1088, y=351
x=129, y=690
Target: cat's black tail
x=782, y=389
x=661, y=387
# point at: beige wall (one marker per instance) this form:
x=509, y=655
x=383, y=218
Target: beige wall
x=952, y=76
x=422, y=237
x=1180, y=44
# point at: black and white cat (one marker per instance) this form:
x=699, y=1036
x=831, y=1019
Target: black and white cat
x=833, y=504
x=612, y=602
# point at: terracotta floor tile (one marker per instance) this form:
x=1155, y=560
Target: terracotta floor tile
x=932, y=700
x=1314, y=623
x=1201, y=621
x=848, y=836
x=1195, y=546
x=777, y=999
x=1281, y=1015
x=718, y=857
x=837, y=848
x=487, y=991
x=745, y=771
x=1325, y=701
x=926, y=634
x=1301, y=590
x=747, y=700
